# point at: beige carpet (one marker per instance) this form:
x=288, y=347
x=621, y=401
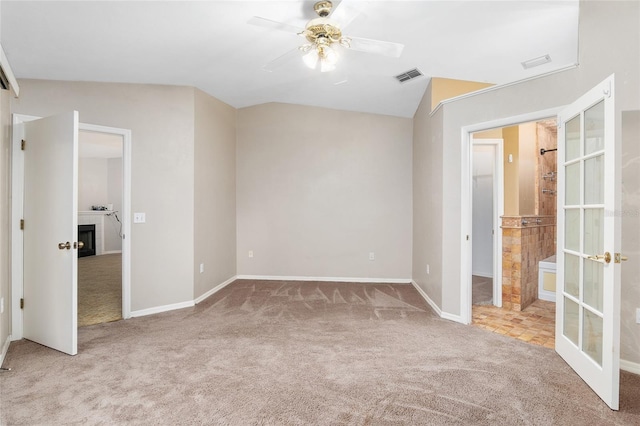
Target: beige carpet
x=276, y=353
x=99, y=289
x=481, y=290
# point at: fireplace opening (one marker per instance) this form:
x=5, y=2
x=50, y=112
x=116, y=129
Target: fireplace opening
x=87, y=234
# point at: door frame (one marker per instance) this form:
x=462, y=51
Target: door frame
x=17, y=207
x=498, y=211
x=466, y=200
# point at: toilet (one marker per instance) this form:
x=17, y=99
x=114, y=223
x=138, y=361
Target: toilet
x=547, y=279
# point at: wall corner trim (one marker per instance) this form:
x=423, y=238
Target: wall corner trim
x=215, y=290
x=427, y=299
x=163, y=308
x=631, y=367
x=443, y=315
x=5, y=349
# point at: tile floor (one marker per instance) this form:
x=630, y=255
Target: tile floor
x=536, y=324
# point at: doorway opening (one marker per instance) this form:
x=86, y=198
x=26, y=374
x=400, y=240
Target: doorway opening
x=17, y=212
x=513, y=210
x=100, y=190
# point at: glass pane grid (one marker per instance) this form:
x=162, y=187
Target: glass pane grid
x=593, y=311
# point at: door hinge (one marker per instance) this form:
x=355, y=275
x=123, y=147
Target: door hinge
x=22, y=144
x=21, y=303
x=22, y=224
x=607, y=90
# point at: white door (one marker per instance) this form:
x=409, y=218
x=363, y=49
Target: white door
x=588, y=270
x=50, y=232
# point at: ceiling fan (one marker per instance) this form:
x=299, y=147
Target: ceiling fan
x=324, y=37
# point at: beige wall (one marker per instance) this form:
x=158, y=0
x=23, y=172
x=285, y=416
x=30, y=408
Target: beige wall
x=630, y=213
x=319, y=189
x=527, y=159
x=161, y=119
x=215, y=193
x=427, y=196
x=446, y=88
x=5, y=217
x=489, y=134
x=511, y=171
x=602, y=25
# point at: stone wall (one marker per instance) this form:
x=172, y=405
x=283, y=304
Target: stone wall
x=526, y=240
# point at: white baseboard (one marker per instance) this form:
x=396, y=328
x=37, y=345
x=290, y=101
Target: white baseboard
x=326, y=279
x=215, y=289
x=110, y=252
x=631, y=367
x=5, y=349
x=443, y=315
x=427, y=299
x=454, y=318
x=547, y=295
x=164, y=308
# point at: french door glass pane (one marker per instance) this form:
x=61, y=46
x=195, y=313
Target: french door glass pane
x=572, y=184
x=570, y=327
x=593, y=284
x=572, y=229
x=572, y=275
x=592, y=336
x=572, y=139
x=594, y=180
x=593, y=231
x=594, y=128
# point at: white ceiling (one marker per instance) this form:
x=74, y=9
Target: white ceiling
x=209, y=45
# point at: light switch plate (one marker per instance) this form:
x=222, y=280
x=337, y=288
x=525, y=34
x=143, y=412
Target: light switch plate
x=139, y=218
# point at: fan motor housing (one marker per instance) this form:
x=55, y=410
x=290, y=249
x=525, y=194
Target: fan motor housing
x=322, y=28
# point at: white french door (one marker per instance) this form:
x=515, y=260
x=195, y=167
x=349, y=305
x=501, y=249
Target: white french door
x=588, y=270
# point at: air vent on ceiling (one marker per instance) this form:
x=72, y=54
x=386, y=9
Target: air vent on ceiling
x=535, y=62
x=408, y=75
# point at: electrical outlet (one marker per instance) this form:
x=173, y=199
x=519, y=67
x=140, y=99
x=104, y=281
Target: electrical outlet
x=250, y=254
x=139, y=218
x=372, y=256
x=637, y=315
x=1, y=305
x=201, y=267
x=428, y=269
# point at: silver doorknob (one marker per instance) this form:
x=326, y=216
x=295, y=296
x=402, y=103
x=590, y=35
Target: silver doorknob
x=63, y=246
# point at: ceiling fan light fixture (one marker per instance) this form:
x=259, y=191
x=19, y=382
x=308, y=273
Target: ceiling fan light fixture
x=326, y=66
x=311, y=59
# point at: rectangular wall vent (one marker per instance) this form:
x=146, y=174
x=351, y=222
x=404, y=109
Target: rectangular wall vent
x=409, y=75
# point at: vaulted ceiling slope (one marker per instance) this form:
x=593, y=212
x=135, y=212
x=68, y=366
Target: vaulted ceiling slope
x=210, y=45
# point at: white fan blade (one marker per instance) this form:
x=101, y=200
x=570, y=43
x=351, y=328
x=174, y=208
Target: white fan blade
x=281, y=60
x=345, y=13
x=274, y=25
x=385, y=48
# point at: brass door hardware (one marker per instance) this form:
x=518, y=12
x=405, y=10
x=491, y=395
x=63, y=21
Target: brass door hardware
x=79, y=245
x=617, y=258
x=606, y=257
x=63, y=246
